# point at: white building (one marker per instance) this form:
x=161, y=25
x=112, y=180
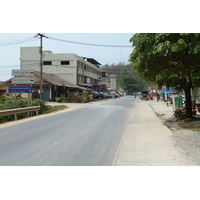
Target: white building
x=113, y=82
x=69, y=66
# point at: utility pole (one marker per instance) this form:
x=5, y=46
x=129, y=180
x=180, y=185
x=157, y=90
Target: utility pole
x=41, y=62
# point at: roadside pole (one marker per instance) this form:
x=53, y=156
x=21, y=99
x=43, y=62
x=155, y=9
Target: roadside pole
x=41, y=61
x=30, y=100
x=28, y=103
x=15, y=97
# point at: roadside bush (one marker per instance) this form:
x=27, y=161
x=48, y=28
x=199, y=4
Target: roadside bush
x=3, y=99
x=83, y=97
x=90, y=97
x=180, y=113
x=41, y=103
x=21, y=104
x=9, y=104
x=61, y=99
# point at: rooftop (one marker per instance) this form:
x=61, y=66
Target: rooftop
x=113, y=75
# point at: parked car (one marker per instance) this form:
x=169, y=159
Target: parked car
x=107, y=95
x=102, y=94
x=97, y=95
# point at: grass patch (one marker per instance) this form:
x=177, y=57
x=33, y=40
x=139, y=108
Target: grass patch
x=52, y=109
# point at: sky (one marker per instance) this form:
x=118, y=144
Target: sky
x=103, y=22
x=10, y=48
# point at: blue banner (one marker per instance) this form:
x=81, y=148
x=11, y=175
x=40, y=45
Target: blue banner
x=20, y=89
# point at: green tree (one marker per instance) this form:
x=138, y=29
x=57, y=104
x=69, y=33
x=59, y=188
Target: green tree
x=131, y=83
x=170, y=59
x=122, y=70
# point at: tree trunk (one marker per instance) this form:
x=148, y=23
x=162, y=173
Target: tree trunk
x=188, y=105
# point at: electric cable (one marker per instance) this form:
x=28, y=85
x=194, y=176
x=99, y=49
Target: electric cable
x=19, y=65
x=18, y=41
x=2, y=40
x=90, y=44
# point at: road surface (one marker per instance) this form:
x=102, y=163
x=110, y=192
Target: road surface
x=123, y=132
x=87, y=136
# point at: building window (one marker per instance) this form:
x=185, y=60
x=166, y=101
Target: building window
x=47, y=63
x=64, y=62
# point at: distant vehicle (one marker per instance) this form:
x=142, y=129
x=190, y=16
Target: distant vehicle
x=102, y=94
x=107, y=95
x=144, y=95
x=97, y=95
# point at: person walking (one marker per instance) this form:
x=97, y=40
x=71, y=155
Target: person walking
x=158, y=96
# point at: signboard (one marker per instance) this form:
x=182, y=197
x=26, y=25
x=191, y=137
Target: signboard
x=24, y=72
x=23, y=80
x=20, y=89
x=103, y=75
x=102, y=83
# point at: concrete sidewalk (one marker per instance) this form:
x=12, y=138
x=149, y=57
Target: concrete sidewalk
x=161, y=108
x=165, y=111
x=146, y=141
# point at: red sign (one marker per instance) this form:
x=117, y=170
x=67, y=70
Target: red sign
x=103, y=75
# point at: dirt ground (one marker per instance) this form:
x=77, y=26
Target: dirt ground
x=179, y=125
x=186, y=124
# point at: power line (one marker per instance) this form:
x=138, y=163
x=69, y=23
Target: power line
x=89, y=44
x=2, y=40
x=114, y=56
x=33, y=63
x=61, y=40
x=18, y=41
x=10, y=66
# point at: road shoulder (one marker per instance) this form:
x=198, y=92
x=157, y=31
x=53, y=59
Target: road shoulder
x=146, y=141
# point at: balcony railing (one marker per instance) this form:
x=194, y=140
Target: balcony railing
x=84, y=84
x=88, y=74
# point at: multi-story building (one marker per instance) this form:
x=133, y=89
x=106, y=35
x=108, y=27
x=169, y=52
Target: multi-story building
x=113, y=83
x=78, y=70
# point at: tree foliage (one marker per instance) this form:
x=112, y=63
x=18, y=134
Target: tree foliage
x=170, y=59
x=132, y=84
x=127, y=77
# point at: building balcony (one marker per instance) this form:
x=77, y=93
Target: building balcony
x=87, y=73
x=84, y=84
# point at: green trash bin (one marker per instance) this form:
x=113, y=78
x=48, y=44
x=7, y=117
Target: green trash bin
x=178, y=102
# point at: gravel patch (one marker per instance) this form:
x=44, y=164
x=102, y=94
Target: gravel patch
x=185, y=133
x=189, y=142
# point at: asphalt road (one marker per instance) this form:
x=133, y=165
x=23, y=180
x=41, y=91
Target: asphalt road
x=87, y=136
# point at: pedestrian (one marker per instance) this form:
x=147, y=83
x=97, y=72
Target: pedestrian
x=158, y=96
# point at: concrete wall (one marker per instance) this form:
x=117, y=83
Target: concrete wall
x=30, y=53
